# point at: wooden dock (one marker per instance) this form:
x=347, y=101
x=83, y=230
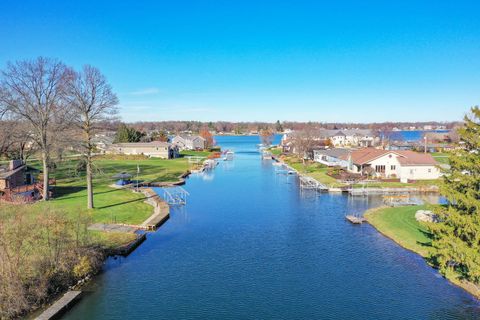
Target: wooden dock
x=355, y=219
x=161, y=211
x=60, y=306
x=310, y=183
x=391, y=191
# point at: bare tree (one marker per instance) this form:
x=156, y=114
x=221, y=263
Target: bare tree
x=305, y=140
x=92, y=101
x=34, y=92
x=266, y=137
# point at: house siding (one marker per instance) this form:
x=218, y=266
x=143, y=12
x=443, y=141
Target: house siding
x=426, y=172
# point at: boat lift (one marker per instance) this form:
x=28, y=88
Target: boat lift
x=175, y=196
x=308, y=183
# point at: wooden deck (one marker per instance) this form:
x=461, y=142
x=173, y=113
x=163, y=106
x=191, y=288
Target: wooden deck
x=354, y=219
x=60, y=306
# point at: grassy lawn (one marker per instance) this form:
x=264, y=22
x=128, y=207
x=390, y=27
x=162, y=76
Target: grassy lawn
x=400, y=225
x=276, y=151
x=441, y=157
x=187, y=153
x=111, y=205
x=314, y=170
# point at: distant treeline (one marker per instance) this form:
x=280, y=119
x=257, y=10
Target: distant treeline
x=242, y=127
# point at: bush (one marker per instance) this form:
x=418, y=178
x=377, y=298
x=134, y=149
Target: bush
x=41, y=254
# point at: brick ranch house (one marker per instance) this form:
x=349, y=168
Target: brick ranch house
x=17, y=181
x=405, y=165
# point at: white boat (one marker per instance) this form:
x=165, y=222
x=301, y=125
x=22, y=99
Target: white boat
x=229, y=155
x=266, y=155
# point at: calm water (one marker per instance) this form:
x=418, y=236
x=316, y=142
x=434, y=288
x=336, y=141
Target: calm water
x=249, y=245
x=412, y=136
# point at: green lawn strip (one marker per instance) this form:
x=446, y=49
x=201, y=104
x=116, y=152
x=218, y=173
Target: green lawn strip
x=112, y=240
x=441, y=157
x=400, y=225
x=187, y=153
x=275, y=151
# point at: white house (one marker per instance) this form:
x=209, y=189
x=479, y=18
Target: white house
x=336, y=157
x=189, y=142
x=405, y=165
x=151, y=149
x=350, y=137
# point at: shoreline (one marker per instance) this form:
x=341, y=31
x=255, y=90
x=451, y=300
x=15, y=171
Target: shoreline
x=160, y=215
x=469, y=287
x=366, y=191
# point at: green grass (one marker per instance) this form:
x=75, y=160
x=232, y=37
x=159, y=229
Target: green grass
x=276, y=151
x=186, y=153
x=400, y=225
x=314, y=170
x=441, y=157
x=111, y=205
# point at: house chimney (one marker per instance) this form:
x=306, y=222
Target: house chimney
x=14, y=164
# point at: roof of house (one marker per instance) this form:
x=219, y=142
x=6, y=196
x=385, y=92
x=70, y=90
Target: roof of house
x=153, y=144
x=366, y=155
x=5, y=171
x=189, y=136
x=335, y=152
x=405, y=157
x=345, y=132
x=412, y=158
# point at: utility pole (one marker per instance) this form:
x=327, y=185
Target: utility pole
x=425, y=139
x=138, y=171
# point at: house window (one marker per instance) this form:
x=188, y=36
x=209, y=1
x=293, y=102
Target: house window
x=429, y=170
x=393, y=168
x=380, y=169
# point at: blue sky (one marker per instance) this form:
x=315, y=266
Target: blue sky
x=352, y=61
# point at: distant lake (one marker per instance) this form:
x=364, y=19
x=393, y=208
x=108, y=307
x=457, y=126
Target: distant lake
x=250, y=245
x=413, y=136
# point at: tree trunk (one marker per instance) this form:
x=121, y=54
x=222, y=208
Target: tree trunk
x=89, y=170
x=89, y=182
x=45, y=176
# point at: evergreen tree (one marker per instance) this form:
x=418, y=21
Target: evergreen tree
x=457, y=236
x=127, y=134
x=278, y=126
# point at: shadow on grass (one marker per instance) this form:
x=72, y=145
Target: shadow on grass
x=121, y=203
x=63, y=192
x=431, y=259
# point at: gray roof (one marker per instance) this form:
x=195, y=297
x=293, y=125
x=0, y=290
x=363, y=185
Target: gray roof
x=5, y=171
x=152, y=144
x=188, y=136
x=335, y=152
x=346, y=132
